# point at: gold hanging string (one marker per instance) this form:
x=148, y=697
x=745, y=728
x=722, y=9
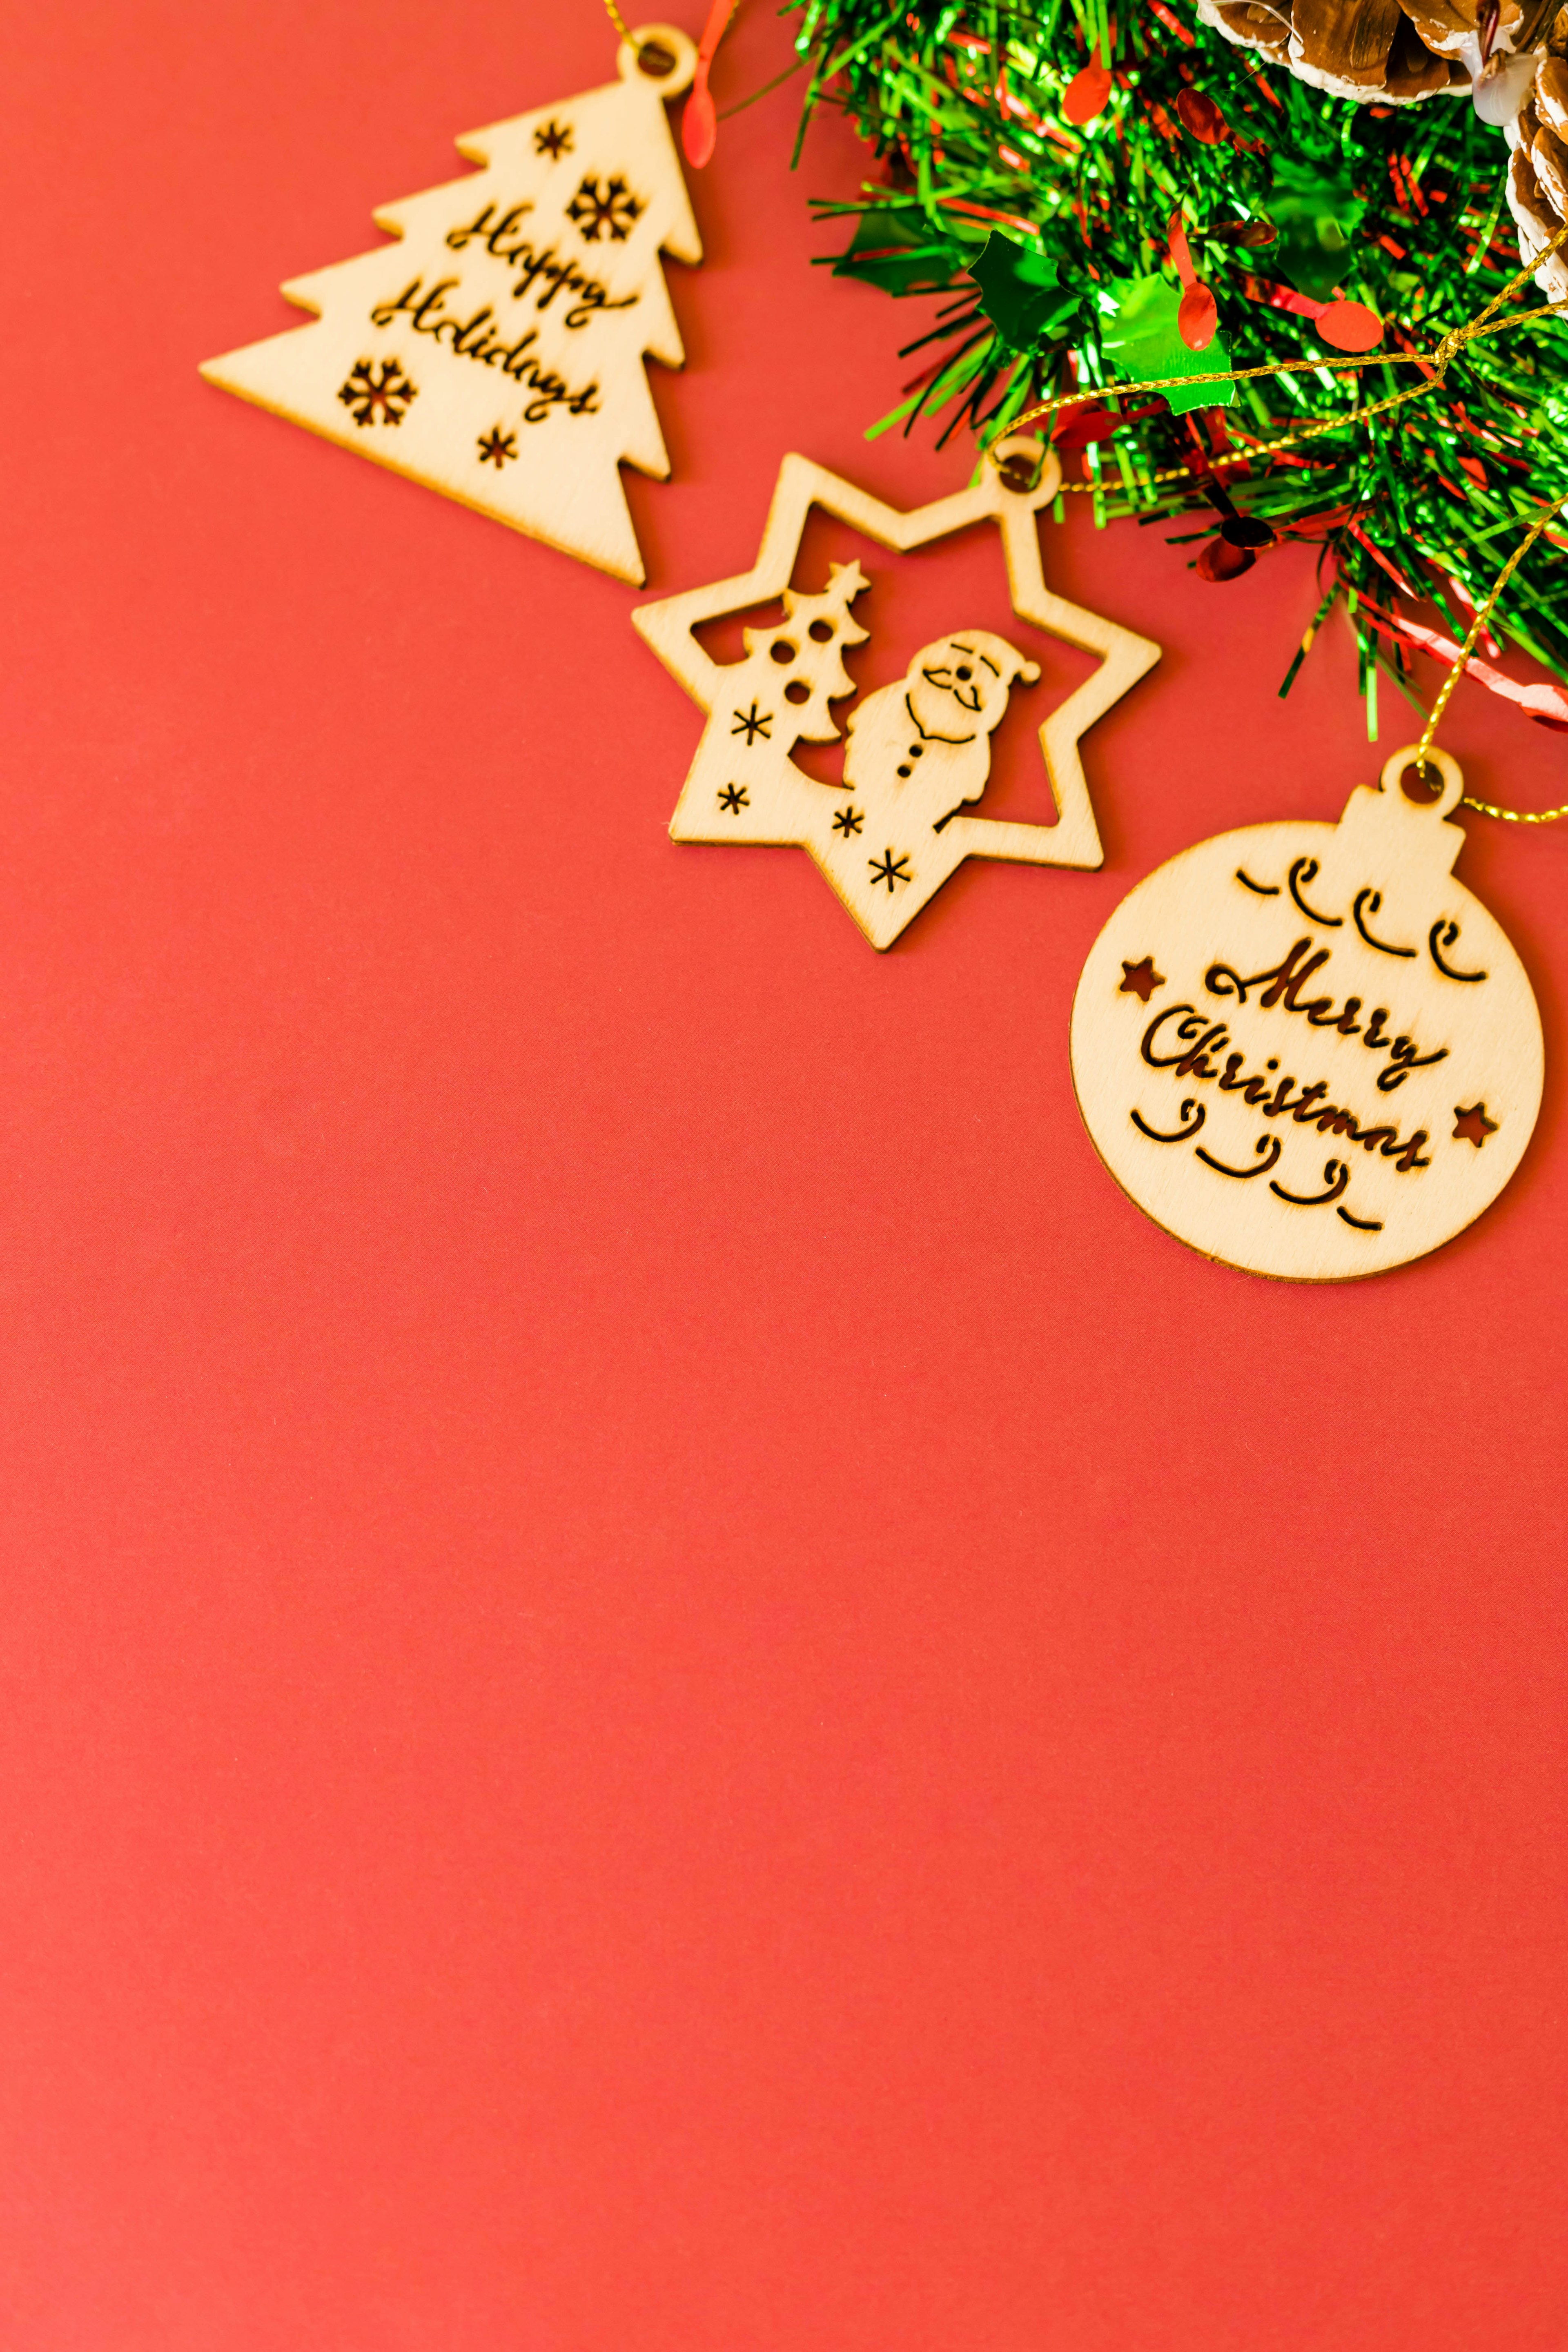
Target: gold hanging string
x=1437, y=360
x=625, y=31
x=1489, y=808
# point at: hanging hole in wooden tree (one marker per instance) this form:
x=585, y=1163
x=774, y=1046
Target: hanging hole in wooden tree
x=660, y=54
x=797, y=690
x=782, y=650
x=821, y=632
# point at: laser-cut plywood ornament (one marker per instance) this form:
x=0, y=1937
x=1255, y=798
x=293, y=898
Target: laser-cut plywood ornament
x=1346, y=953
x=496, y=354
x=919, y=752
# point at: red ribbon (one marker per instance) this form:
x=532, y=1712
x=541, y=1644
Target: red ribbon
x=1545, y=702
x=699, y=123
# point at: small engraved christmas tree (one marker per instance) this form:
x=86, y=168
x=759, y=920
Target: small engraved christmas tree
x=778, y=697
x=496, y=353
x=796, y=667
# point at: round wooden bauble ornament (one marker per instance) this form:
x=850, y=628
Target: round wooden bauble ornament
x=1304, y=1048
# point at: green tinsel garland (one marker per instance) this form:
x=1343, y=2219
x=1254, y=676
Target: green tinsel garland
x=1400, y=208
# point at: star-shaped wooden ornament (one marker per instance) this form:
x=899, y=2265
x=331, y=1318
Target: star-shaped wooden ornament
x=896, y=828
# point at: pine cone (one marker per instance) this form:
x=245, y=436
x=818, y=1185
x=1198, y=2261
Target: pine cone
x=1394, y=52
x=1251, y=26
x=1538, y=170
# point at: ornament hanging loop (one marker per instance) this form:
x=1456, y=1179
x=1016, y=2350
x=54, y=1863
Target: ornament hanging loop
x=660, y=55
x=1027, y=467
x=1423, y=760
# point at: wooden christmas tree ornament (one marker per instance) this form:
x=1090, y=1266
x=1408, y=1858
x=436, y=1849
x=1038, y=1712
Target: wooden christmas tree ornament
x=1306, y=1049
x=896, y=827
x=497, y=353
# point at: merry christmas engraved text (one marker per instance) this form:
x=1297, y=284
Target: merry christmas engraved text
x=1197, y=1042
x=1350, y=947
x=1284, y=981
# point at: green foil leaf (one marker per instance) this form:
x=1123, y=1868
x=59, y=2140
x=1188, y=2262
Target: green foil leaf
x=1021, y=292
x=1142, y=341
x=968, y=144
x=893, y=248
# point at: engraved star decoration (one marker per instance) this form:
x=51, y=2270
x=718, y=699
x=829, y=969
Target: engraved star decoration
x=1473, y=1125
x=1140, y=979
x=886, y=887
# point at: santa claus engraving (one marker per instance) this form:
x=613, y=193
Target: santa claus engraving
x=921, y=749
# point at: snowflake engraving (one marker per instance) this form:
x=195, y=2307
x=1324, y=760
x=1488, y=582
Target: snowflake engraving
x=890, y=869
x=734, y=798
x=848, y=821
x=751, y=723
x=609, y=210
x=554, y=141
x=496, y=447
x=377, y=392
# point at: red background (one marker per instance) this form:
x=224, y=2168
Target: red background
x=668, y=1684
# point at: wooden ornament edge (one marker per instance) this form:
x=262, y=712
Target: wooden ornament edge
x=215, y=371
x=1271, y=1273
x=667, y=626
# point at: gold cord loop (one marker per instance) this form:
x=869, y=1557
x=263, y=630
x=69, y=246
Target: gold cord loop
x=1437, y=362
x=655, y=40
x=1483, y=615
x=1419, y=757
